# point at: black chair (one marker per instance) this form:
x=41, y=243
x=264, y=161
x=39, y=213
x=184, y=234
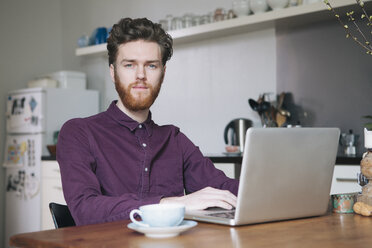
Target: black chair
x=61, y=215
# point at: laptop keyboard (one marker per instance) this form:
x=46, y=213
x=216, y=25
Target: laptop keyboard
x=226, y=214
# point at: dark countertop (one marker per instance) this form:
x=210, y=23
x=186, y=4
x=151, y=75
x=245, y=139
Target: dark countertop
x=48, y=158
x=349, y=160
x=237, y=159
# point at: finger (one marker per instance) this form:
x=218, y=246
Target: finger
x=224, y=195
x=230, y=201
x=218, y=203
x=209, y=194
x=219, y=191
x=226, y=202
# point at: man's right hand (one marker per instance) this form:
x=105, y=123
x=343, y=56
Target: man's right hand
x=204, y=198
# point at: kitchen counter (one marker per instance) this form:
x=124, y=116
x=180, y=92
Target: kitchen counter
x=48, y=158
x=343, y=159
x=237, y=159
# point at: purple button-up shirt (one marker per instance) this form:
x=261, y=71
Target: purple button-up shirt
x=111, y=164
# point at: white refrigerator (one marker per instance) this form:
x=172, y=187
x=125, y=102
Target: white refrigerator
x=32, y=116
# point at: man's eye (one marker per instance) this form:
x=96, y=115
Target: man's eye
x=128, y=65
x=152, y=66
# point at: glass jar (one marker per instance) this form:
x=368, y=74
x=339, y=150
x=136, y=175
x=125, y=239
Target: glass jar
x=169, y=20
x=197, y=20
x=164, y=24
x=205, y=19
x=187, y=20
x=219, y=15
x=177, y=23
x=230, y=14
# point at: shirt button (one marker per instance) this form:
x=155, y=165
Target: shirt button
x=140, y=126
x=146, y=169
x=144, y=144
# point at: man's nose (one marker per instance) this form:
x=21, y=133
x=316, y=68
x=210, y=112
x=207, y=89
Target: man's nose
x=141, y=73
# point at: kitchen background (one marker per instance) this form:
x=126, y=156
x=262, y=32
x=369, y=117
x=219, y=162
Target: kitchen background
x=208, y=82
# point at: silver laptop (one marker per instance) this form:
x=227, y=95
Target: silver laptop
x=286, y=174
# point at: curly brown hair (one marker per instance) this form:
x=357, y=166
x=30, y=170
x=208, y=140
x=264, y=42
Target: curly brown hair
x=128, y=29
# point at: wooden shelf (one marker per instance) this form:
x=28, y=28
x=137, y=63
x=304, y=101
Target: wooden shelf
x=302, y=14
x=96, y=49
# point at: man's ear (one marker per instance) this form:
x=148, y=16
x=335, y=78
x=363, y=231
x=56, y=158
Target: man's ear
x=164, y=69
x=112, y=73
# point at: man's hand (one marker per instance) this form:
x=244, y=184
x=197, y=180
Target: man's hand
x=204, y=198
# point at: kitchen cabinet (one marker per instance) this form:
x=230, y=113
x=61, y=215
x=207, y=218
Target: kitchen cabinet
x=288, y=17
x=344, y=175
x=345, y=179
x=51, y=191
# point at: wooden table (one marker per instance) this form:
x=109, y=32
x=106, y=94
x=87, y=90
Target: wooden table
x=333, y=230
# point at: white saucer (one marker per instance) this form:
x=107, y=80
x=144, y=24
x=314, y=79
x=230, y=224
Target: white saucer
x=163, y=232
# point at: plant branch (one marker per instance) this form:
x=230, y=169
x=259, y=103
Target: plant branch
x=366, y=45
x=352, y=19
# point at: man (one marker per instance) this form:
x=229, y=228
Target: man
x=120, y=159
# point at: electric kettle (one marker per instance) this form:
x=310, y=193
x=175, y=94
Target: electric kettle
x=235, y=131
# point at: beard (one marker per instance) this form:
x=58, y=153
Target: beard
x=143, y=101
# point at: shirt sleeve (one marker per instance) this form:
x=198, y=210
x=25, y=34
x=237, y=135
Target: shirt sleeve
x=81, y=187
x=200, y=172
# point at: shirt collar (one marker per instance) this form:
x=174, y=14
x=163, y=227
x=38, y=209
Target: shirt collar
x=123, y=119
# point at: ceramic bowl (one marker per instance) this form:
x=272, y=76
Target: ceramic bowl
x=258, y=6
x=241, y=7
x=278, y=4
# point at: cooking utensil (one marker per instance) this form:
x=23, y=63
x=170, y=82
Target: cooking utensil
x=280, y=119
x=259, y=106
x=280, y=106
x=253, y=104
x=281, y=114
x=264, y=109
x=256, y=107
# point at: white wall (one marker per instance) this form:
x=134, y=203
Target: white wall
x=207, y=83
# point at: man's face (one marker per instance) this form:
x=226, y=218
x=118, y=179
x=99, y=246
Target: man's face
x=138, y=74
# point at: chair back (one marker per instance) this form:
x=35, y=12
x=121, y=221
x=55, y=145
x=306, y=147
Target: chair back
x=61, y=215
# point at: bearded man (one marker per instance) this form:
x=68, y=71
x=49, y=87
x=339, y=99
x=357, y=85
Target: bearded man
x=120, y=159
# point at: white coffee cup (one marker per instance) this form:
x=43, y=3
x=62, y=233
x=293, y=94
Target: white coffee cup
x=159, y=215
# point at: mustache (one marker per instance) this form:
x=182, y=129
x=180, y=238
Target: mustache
x=139, y=83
